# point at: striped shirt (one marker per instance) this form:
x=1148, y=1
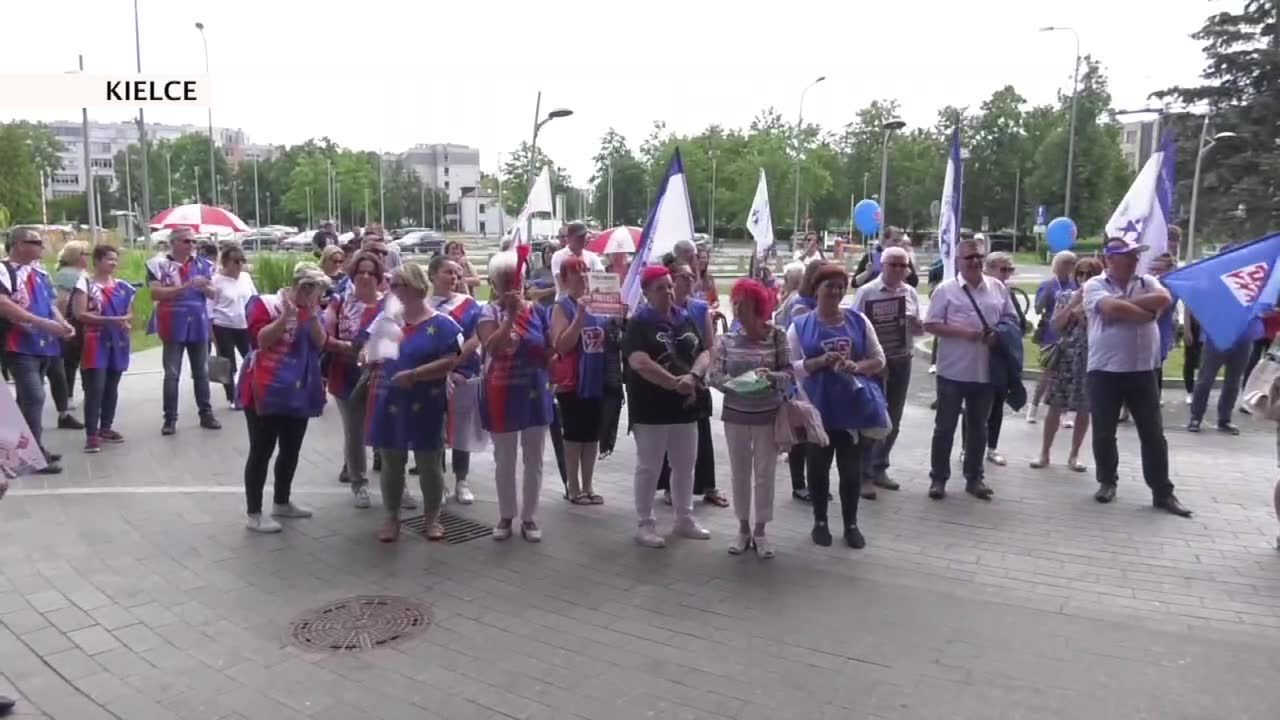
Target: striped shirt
x=735, y=354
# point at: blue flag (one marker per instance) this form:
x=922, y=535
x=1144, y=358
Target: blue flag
x=1228, y=291
x=949, y=215
x=670, y=220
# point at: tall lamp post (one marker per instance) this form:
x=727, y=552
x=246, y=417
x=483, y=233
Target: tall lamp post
x=538, y=122
x=799, y=127
x=213, y=174
x=889, y=127
x=142, y=137
x=1205, y=143
x=1071, y=132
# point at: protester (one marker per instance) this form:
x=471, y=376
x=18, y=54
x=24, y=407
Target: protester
x=1232, y=361
x=792, y=274
x=1124, y=346
x=104, y=305
x=515, y=398
x=578, y=337
x=1167, y=322
x=346, y=317
x=408, y=403
x=326, y=236
x=704, y=479
x=892, y=306
x=805, y=300
x=812, y=251
x=666, y=358
x=35, y=328
x=869, y=267
x=542, y=285
x=180, y=284
x=232, y=288
x=1045, y=335
x=998, y=265
x=73, y=259
x=704, y=284
x=464, y=433
x=832, y=350
x=574, y=245
x=1069, y=360
x=963, y=312
x=281, y=389
x=331, y=262
x=757, y=350
x=456, y=251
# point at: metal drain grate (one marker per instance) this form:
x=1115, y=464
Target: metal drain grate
x=356, y=624
x=457, y=529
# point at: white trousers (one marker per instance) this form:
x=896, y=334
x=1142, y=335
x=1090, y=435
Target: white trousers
x=530, y=441
x=752, y=453
x=680, y=444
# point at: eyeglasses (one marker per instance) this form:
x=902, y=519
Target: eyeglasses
x=975, y=257
x=186, y=241
x=33, y=242
x=1006, y=270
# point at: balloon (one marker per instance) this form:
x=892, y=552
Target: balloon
x=866, y=216
x=1061, y=234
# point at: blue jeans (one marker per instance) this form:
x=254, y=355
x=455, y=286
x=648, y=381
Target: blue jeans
x=28, y=373
x=198, y=357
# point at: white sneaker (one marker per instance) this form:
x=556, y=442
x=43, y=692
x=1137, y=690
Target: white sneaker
x=1069, y=422
x=933, y=369
x=1188, y=400
x=408, y=502
x=289, y=510
x=260, y=524
x=648, y=537
x=692, y=530
x=462, y=493
x=362, y=498
x=764, y=548
x=740, y=543
x=1032, y=411
x=501, y=533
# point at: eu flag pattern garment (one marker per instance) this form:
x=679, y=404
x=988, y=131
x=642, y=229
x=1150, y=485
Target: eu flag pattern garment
x=30, y=288
x=515, y=393
x=412, y=418
x=466, y=312
x=589, y=355
x=106, y=347
x=834, y=394
x=283, y=379
x=185, y=317
x=347, y=319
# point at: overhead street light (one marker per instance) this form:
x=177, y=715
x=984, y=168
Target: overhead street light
x=1205, y=144
x=889, y=127
x=1071, y=133
x=799, y=127
x=213, y=173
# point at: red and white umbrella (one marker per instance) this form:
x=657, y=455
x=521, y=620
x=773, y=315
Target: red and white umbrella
x=622, y=239
x=201, y=218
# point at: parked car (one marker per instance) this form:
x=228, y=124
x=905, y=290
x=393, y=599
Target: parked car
x=301, y=241
x=261, y=239
x=423, y=241
x=401, y=232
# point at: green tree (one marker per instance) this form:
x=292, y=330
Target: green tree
x=629, y=177
x=26, y=151
x=515, y=178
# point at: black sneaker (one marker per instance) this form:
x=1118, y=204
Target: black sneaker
x=1193, y=426
x=6, y=705
x=209, y=422
x=1106, y=493
x=937, y=490
x=853, y=538
x=50, y=468
x=168, y=428
x=821, y=534
x=1228, y=428
x=68, y=422
x=53, y=457
x=343, y=477
x=979, y=490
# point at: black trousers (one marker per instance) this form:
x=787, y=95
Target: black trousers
x=975, y=400
x=704, y=469
x=848, y=458
x=226, y=343
x=797, y=456
x=1108, y=392
x=266, y=434
x=995, y=420
x=1191, y=363
x=1259, y=347
x=72, y=348
x=58, y=386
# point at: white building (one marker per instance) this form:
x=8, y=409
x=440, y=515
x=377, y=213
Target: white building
x=1138, y=141
x=482, y=215
x=452, y=168
x=108, y=139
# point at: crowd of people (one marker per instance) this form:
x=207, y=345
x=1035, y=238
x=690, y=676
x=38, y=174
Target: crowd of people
x=418, y=366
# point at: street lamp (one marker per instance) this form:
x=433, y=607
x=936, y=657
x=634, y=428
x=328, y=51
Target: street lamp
x=533, y=150
x=168, y=171
x=799, y=125
x=142, y=136
x=213, y=174
x=889, y=127
x=1205, y=143
x=1071, y=133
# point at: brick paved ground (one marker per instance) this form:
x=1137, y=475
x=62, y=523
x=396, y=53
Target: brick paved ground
x=129, y=589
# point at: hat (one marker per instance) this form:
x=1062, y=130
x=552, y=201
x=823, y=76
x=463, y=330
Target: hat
x=652, y=273
x=574, y=229
x=1121, y=246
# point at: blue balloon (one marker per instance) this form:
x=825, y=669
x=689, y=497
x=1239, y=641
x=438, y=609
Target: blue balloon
x=866, y=216
x=1061, y=234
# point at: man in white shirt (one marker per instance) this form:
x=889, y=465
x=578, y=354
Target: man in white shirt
x=896, y=323
x=963, y=313
x=575, y=246
x=1124, y=353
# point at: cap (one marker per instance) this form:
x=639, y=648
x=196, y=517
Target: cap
x=1121, y=246
x=574, y=229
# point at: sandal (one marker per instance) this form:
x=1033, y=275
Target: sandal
x=1076, y=465
x=596, y=499
x=1039, y=464
x=581, y=498
x=435, y=532
x=390, y=532
x=715, y=498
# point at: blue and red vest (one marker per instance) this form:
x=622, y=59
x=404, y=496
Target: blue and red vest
x=185, y=317
x=515, y=393
x=32, y=290
x=838, y=397
x=412, y=418
x=583, y=367
x=350, y=318
x=466, y=312
x=283, y=379
x=106, y=347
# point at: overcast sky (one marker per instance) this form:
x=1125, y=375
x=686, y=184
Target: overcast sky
x=360, y=72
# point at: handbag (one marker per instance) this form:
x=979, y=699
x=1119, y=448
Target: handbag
x=1262, y=393
x=1050, y=355
x=220, y=370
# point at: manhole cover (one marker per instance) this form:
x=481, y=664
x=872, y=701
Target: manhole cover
x=457, y=529
x=359, y=623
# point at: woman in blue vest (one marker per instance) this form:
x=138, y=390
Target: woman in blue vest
x=281, y=389
x=804, y=301
x=578, y=376
x=704, y=473
x=407, y=399
x=835, y=350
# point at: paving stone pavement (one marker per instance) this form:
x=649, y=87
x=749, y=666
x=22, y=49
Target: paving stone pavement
x=129, y=589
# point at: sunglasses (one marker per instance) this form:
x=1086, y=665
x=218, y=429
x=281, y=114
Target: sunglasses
x=975, y=257
x=1006, y=270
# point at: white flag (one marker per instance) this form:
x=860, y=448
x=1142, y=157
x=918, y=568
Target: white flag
x=760, y=219
x=949, y=215
x=539, y=201
x=1143, y=214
